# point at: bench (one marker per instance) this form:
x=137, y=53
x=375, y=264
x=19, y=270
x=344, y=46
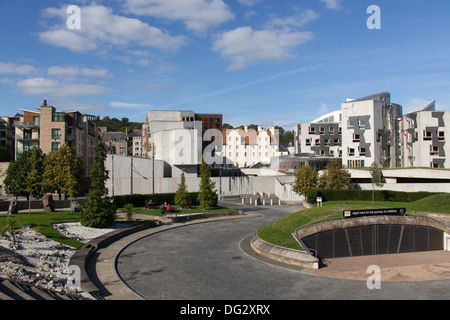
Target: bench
x=186, y=206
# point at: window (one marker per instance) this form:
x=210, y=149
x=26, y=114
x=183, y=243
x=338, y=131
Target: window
x=362, y=151
x=308, y=142
x=322, y=130
x=441, y=135
x=362, y=124
x=427, y=135
x=351, y=151
x=351, y=124
x=56, y=146
x=434, y=151
x=356, y=137
x=56, y=133
x=312, y=130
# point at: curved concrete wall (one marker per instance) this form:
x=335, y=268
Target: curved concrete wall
x=374, y=235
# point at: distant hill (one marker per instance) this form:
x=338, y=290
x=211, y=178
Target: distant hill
x=118, y=125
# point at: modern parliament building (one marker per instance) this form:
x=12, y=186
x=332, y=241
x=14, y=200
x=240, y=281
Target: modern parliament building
x=373, y=129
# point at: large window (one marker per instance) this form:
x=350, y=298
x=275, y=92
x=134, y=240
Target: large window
x=56, y=146
x=56, y=133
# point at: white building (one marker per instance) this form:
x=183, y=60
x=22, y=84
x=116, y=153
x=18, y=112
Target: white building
x=321, y=137
x=246, y=148
x=372, y=129
x=424, y=133
x=370, y=132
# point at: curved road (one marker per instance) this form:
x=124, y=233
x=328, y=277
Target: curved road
x=209, y=261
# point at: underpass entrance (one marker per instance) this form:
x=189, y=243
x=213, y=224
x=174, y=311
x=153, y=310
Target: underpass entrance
x=374, y=239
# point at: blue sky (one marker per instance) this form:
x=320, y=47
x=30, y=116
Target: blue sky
x=254, y=61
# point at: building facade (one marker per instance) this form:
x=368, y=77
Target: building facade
x=374, y=130
x=49, y=130
x=247, y=148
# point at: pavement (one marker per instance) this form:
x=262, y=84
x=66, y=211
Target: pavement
x=409, y=267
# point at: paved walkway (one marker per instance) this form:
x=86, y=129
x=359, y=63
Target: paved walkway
x=195, y=262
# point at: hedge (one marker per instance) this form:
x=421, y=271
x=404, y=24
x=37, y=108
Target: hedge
x=138, y=200
x=365, y=195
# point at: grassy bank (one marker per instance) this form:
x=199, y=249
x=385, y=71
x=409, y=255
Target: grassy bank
x=280, y=232
x=43, y=223
x=178, y=210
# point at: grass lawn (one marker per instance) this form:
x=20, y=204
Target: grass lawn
x=178, y=210
x=280, y=232
x=44, y=222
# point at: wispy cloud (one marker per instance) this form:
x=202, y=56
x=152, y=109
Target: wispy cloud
x=197, y=15
x=44, y=86
x=332, y=4
x=126, y=105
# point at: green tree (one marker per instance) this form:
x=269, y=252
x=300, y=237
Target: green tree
x=34, y=182
x=207, y=195
x=98, y=211
x=15, y=176
x=335, y=176
x=63, y=172
x=377, y=178
x=181, y=195
x=306, y=179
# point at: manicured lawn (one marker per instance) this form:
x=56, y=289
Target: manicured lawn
x=44, y=221
x=178, y=210
x=280, y=232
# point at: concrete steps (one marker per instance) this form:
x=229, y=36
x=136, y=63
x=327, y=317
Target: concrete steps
x=16, y=290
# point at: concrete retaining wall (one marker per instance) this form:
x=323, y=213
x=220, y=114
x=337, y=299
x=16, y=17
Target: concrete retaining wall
x=284, y=255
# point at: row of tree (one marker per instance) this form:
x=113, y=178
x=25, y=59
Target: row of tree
x=34, y=174
x=335, y=176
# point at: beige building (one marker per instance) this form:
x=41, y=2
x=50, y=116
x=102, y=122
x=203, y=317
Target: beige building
x=49, y=130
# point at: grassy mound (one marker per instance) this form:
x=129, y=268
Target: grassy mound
x=280, y=232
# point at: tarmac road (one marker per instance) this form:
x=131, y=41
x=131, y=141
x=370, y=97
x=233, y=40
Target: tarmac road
x=211, y=261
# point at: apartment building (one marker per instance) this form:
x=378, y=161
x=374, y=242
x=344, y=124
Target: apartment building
x=247, y=148
x=7, y=137
x=370, y=131
x=49, y=130
x=424, y=134
x=322, y=137
x=373, y=129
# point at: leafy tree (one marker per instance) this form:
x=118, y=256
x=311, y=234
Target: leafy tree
x=63, y=172
x=98, y=211
x=377, y=178
x=207, y=195
x=181, y=195
x=335, y=176
x=15, y=175
x=306, y=179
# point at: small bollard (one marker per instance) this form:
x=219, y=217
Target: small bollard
x=264, y=202
x=243, y=200
x=271, y=202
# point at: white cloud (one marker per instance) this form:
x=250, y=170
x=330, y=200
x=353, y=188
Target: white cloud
x=127, y=105
x=43, y=86
x=81, y=106
x=332, y=4
x=99, y=26
x=294, y=21
x=73, y=71
x=248, y=3
x=197, y=15
x=245, y=45
x=20, y=69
